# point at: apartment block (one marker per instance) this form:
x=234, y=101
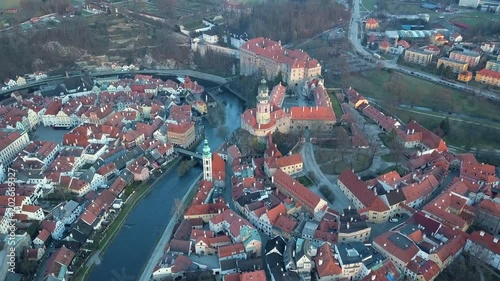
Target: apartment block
x=418, y=57
x=456, y=66
x=471, y=58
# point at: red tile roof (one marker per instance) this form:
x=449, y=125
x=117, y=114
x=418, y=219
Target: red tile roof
x=485, y=240
x=43, y=235
x=61, y=257
x=429, y=139
x=489, y=73
x=357, y=187
x=382, y=273
x=231, y=250
x=490, y=207
x=218, y=167
x=404, y=249
x=273, y=50
x=296, y=189
x=322, y=113
x=259, y=275
x=326, y=264
x=290, y=160
x=181, y=128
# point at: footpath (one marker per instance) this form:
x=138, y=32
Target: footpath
x=158, y=252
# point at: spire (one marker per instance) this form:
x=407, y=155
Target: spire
x=206, y=148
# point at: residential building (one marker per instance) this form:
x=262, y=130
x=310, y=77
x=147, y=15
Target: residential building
x=363, y=198
x=465, y=76
x=384, y=46
x=11, y=143
x=417, y=57
x=471, y=58
x=469, y=3
x=234, y=251
x=58, y=264
x=290, y=187
x=398, y=248
x=371, y=24
x=432, y=49
x=489, y=77
x=272, y=58
x=493, y=65
x=488, y=216
x=182, y=135
x=454, y=65
x=352, y=227
x=485, y=247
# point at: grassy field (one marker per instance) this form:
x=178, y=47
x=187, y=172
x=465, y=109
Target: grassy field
x=369, y=4
x=305, y=180
x=5, y=4
x=336, y=105
x=421, y=93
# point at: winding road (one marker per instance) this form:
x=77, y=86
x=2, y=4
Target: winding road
x=355, y=40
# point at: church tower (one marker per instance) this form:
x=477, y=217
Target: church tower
x=207, y=162
x=263, y=114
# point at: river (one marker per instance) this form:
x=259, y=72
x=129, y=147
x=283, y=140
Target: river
x=126, y=255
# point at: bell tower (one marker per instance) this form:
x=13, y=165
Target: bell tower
x=207, y=162
x=263, y=114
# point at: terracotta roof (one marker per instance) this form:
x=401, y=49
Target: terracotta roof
x=231, y=250
x=490, y=207
x=273, y=50
x=218, y=167
x=290, y=160
x=277, y=95
x=427, y=269
x=489, y=73
x=485, y=240
x=386, y=272
x=276, y=212
x=323, y=113
x=429, y=139
x=296, y=189
x=326, y=264
x=417, y=190
x=180, y=246
x=181, y=263
x=357, y=187
x=286, y=223
x=372, y=21
x=397, y=245
x=259, y=275
x=61, y=257
x=43, y=235
x=181, y=128
x=205, y=209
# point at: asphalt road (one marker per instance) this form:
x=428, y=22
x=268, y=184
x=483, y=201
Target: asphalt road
x=355, y=40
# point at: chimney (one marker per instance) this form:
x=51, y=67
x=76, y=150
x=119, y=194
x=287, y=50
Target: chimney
x=374, y=277
x=481, y=233
x=320, y=261
x=495, y=240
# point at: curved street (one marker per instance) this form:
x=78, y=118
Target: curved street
x=355, y=40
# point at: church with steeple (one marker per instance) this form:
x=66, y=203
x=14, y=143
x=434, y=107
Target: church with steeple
x=214, y=167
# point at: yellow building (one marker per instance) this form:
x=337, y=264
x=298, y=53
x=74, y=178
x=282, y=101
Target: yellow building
x=200, y=106
x=456, y=66
x=182, y=134
x=418, y=57
x=465, y=76
x=489, y=77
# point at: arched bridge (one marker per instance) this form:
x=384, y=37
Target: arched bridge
x=187, y=153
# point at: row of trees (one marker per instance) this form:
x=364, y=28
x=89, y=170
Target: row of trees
x=290, y=20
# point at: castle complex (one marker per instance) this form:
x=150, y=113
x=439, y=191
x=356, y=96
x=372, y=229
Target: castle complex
x=267, y=55
x=269, y=116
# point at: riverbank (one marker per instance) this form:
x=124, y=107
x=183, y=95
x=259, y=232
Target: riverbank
x=116, y=225
x=158, y=252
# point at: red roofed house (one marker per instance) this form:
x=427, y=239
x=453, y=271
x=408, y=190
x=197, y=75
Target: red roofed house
x=363, y=198
x=271, y=57
x=485, y=247
x=234, y=251
x=480, y=173
x=59, y=262
x=422, y=270
x=41, y=239
x=384, y=46
x=290, y=187
x=182, y=134
x=488, y=216
x=371, y=24
x=218, y=170
x=430, y=141
x=327, y=267
x=386, y=272
x=399, y=249
x=488, y=76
